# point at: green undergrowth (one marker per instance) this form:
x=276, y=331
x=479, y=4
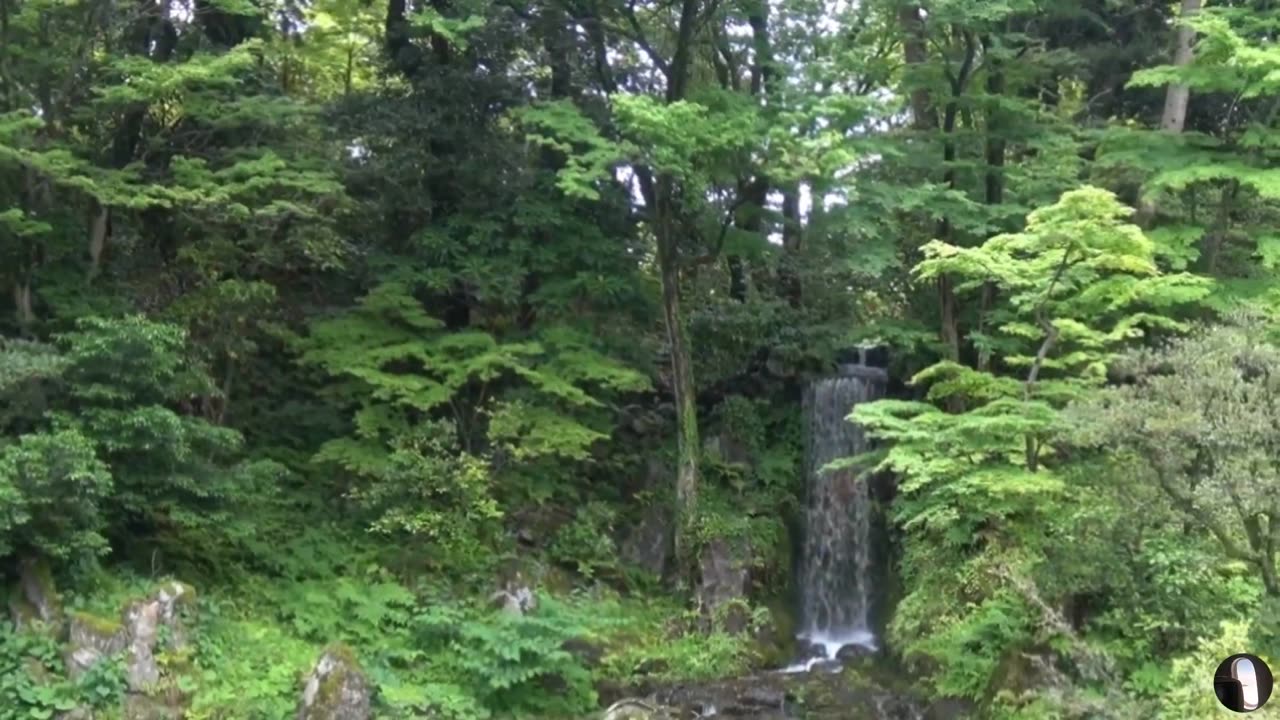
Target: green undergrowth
x=429, y=651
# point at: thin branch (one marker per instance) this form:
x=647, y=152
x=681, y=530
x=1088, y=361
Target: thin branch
x=639, y=38
x=709, y=257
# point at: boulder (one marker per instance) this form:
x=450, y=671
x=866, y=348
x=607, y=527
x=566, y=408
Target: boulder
x=649, y=544
x=854, y=652
x=807, y=649
x=34, y=598
x=632, y=709
x=758, y=699
x=336, y=689
x=92, y=639
x=723, y=584
x=143, y=620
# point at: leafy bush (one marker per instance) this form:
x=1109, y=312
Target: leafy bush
x=52, y=487
x=427, y=491
x=587, y=542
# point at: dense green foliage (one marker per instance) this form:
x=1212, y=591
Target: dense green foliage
x=365, y=318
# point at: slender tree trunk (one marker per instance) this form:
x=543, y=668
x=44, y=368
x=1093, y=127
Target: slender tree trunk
x=1177, y=96
x=995, y=152
x=687, y=443
x=924, y=118
x=662, y=200
x=98, y=223
x=948, y=306
x=1176, y=99
x=914, y=53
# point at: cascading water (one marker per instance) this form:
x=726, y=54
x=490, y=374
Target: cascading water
x=837, y=564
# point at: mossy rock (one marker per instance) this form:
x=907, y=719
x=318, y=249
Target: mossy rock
x=337, y=688
x=34, y=599
x=94, y=625
x=776, y=643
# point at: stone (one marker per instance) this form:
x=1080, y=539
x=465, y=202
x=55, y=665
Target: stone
x=723, y=584
x=34, y=598
x=141, y=670
x=854, y=652
x=807, y=650
x=755, y=699
x=650, y=543
x=515, y=593
x=515, y=600
x=92, y=639
x=336, y=689
x=632, y=709
x=775, y=643
x=143, y=620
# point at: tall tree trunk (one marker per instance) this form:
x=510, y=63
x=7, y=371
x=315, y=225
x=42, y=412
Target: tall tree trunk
x=792, y=288
x=995, y=151
x=948, y=306
x=923, y=118
x=1176, y=99
x=663, y=201
x=914, y=53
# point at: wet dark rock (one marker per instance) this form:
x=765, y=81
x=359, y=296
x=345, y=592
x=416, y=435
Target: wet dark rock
x=756, y=699
x=723, y=584
x=649, y=544
x=775, y=640
x=831, y=666
x=808, y=650
x=854, y=652
x=636, y=709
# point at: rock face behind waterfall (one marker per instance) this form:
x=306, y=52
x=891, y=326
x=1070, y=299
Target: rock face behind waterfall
x=838, y=565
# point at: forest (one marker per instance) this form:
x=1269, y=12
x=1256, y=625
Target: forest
x=457, y=359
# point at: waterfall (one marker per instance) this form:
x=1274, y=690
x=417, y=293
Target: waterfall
x=837, y=572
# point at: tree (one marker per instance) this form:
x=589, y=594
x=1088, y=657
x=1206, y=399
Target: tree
x=981, y=490
x=1200, y=419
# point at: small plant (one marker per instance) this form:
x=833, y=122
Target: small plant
x=587, y=542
